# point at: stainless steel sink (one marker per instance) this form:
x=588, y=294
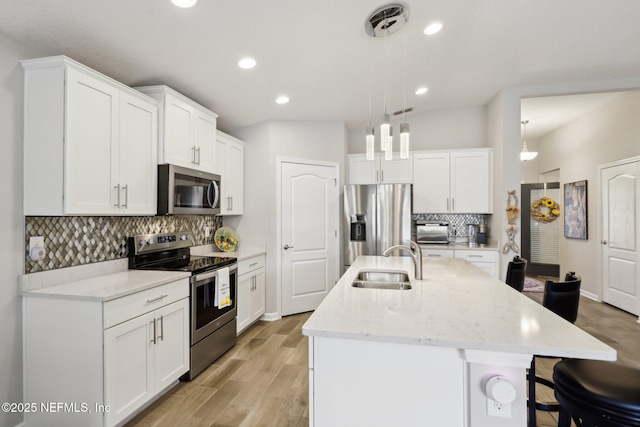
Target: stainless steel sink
x=382, y=279
x=383, y=276
x=402, y=286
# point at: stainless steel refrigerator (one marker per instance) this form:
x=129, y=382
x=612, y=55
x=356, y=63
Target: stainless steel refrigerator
x=375, y=218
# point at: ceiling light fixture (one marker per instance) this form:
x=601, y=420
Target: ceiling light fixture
x=184, y=3
x=283, y=99
x=433, y=28
x=247, y=63
x=421, y=90
x=525, y=154
x=383, y=22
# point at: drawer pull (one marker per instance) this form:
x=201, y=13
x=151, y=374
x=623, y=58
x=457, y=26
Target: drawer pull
x=149, y=301
x=434, y=255
x=255, y=263
x=474, y=256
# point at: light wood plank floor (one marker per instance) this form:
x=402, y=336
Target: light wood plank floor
x=263, y=380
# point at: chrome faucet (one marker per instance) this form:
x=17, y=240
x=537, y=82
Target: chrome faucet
x=416, y=256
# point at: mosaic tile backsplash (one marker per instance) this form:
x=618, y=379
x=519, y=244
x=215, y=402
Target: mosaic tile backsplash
x=459, y=220
x=77, y=240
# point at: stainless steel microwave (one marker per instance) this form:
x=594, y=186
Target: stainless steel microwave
x=184, y=191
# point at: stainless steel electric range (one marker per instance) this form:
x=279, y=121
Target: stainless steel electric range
x=213, y=329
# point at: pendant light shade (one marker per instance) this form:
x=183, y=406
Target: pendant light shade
x=525, y=154
x=370, y=142
x=388, y=153
x=385, y=133
x=404, y=140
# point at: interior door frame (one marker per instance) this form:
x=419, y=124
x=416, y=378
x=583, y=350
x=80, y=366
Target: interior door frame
x=279, y=162
x=534, y=268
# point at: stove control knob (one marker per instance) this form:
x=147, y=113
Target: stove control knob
x=143, y=242
x=150, y=242
x=185, y=237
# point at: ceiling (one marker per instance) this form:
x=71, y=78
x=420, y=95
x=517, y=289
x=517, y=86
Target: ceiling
x=318, y=54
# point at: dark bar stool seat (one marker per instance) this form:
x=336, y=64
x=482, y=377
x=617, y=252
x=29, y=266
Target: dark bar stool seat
x=516, y=272
x=597, y=393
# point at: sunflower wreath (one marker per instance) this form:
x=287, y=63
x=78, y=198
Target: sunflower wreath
x=545, y=210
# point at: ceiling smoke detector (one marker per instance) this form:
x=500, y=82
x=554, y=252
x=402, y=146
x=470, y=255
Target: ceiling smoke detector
x=387, y=20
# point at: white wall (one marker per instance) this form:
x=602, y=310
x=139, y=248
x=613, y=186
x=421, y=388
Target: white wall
x=435, y=130
x=11, y=221
x=265, y=143
x=604, y=135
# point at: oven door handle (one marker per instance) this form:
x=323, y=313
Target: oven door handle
x=208, y=275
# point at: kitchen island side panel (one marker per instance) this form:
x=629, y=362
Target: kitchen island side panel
x=383, y=384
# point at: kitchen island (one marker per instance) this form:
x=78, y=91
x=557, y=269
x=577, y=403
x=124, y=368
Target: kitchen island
x=424, y=356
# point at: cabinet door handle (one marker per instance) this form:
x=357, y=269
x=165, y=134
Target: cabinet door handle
x=153, y=340
x=447, y=204
x=434, y=255
x=474, y=256
x=161, y=336
x=198, y=151
x=453, y=204
x=125, y=188
x=382, y=176
x=149, y=301
x=231, y=202
x=117, y=188
x=252, y=264
x=193, y=155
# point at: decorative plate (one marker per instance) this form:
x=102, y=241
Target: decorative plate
x=227, y=239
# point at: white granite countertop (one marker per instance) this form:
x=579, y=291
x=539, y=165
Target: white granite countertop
x=456, y=305
x=493, y=245
x=105, y=287
x=243, y=252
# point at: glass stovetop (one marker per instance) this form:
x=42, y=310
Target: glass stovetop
x=190, y=263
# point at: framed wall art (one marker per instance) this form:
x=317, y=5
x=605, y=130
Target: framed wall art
x=575, y=210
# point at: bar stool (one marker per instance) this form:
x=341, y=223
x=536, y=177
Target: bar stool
x=563, y=299
x=596, y=393
x=516, y=272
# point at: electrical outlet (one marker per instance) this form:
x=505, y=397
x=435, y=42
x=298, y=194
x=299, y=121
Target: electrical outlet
x=496, y=409
x=207, y=231
x=36, y=242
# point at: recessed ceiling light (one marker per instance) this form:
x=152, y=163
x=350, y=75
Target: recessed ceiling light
x=184, y=3
x=421, y=90
x=282, y=99
x=247, y=63
x=433, y=28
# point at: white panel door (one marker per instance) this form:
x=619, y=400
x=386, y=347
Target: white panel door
x=172, y=343
x=129, y=378
x=620, y=191
x=471, y=182
x=178, y=132
x=91, y=136
x=138, y=156
x=431, y=183
x=205, y=142
x=309, y=236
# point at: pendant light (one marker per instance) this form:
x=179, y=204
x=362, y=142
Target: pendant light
x=384, y=21
x=525, y=154
x=404, y=126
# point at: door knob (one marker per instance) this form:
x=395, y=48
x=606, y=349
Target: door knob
x=604, y=242
x=288, y=247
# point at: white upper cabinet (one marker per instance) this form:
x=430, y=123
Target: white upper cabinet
x=457, y=181
x=379, y=170
x=230, y=153
x=187, y=130
x=90, y=143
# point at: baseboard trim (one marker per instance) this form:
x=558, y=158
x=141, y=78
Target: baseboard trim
x=589, y=295
x=270, y=317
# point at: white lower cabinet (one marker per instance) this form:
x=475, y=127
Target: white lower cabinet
x=486, y=260
x=110, y=358
x=483, y=259
x=251, y=291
